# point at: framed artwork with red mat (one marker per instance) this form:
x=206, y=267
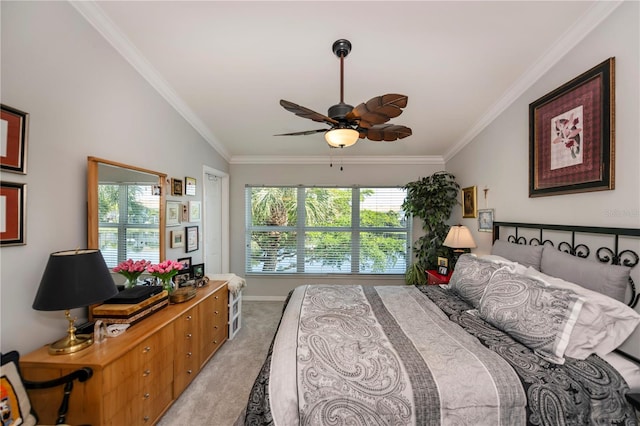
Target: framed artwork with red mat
x=572, y=135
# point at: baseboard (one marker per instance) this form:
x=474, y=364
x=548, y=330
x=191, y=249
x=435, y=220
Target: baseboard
x=264, y=298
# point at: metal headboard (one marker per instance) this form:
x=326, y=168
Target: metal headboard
x=606, y=254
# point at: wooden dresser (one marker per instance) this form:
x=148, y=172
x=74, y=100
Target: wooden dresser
x=138, y=375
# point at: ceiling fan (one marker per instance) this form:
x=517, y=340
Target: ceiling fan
x=348, y=124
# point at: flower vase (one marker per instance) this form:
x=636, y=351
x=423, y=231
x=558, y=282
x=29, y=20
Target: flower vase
x=167, y=284
x=131, y=282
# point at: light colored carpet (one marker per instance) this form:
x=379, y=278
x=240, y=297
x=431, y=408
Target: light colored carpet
x=220, y=392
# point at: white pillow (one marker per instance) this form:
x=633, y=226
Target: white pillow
x=603, y=324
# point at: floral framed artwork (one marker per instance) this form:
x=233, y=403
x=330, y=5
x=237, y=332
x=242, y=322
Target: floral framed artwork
x=485, y=220
x=172, y=214
x=176, y=186
x=189, y=186
x=571, y=135
x=192, y=238
x=186, y=264
x=15, y=128
x=177, y=238
x=194, y=211
x=469, y=204
x=12, y=211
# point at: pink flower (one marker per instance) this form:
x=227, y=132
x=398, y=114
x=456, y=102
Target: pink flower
x=130, y=269
x=165, y=270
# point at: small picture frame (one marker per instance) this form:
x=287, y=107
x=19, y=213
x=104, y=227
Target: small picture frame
x=485, y=220
x=176, y=186
x=185, y=212
x=443, y=270
x=186, y=264
x=469, y=205
x=156, y=190
x=443, y=261
x=12, y=211
x=177, y=238
x=181, y=279
x=190, y=186
x=192, y=238
x=172, y=214
x=15, y=129
x=198, y=271
x=195, y=213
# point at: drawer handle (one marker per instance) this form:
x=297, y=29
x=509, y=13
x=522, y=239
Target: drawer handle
x=189, y=336
x=216, y=297
x=147, y=349
x=146, y=418
x=216, y=312
x=188, y=354
x=146, y=396
x=215, y=326
x=188, y=371
x=189, y=318
x=215, y=342
x=146, y=373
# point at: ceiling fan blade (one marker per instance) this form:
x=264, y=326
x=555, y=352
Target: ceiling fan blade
x=385, y=132
x=301, y=111
x=378, y=110
x=304, y=132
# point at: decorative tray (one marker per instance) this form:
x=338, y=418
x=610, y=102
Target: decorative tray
x=182, y=294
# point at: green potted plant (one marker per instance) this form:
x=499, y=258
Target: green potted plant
x=431, y=199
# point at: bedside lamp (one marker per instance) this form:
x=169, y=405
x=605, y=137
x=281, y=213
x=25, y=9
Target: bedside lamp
x=73, y=279
x=460, y=240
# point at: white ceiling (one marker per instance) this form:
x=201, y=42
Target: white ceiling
x=225, y=65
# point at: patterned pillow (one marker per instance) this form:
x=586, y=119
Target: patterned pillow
x=538, y=316
x=471, y=276
x=14, y=402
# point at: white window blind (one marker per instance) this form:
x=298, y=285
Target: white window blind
x=326, y=230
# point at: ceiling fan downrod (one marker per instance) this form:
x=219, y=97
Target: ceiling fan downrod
x=341, y=49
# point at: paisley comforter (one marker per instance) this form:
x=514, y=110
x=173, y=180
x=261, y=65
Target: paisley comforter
x=391, y=355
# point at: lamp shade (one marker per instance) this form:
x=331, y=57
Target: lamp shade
x=74, y=279
x=459, y=237
x=340, y=138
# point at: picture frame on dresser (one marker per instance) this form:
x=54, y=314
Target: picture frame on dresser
x=15, y=130
x=572, y=135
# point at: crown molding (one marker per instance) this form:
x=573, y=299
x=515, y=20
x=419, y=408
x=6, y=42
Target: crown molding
x=571, y=37
x=110, y=31
x=321, y=159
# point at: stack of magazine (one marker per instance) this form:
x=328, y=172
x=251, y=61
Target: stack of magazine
x=132, y=305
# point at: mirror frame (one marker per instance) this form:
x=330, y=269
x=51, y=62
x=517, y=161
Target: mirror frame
x=92, y=201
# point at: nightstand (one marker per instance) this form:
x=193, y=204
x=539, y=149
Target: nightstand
x=433, y=277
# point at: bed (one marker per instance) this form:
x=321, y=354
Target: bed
x=522, y=336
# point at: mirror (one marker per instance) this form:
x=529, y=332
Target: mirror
x=125, y=211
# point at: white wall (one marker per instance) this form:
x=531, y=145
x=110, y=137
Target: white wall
x=498, y=158
x=84, y=99
x=276, y=288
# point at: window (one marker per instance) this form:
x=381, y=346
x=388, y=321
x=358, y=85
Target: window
x=128, y=217
x=326, y=230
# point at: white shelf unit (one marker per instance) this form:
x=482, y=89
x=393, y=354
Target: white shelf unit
x=235, y=313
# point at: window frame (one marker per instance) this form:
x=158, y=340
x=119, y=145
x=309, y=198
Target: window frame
x=300, y=229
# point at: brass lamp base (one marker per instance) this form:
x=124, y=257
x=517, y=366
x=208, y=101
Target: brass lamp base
x=71, y=342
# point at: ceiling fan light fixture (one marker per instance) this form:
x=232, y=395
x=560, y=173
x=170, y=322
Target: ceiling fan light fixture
x=341, y=138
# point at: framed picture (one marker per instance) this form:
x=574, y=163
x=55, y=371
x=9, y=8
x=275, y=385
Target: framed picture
x=181, y=279
x=571, y=135
x=443, y=270
x=176, y=186
x=185, y=213
x=443, y=261
x=173, y=213
x=469, y=206
x=194, y=211
x=190, y=186
x=177, y=239
x=186, y=264
x=198, y=271
x=192, y=238
x=15, y=129
x=485, y=220
x=13, y=203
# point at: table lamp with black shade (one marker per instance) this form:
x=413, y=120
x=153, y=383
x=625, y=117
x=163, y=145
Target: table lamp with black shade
x=460, y=240
x=73, y=279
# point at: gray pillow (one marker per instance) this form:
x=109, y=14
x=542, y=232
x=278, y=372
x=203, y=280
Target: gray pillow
x=524, y=254
x=537, y=316
x=470, y=277
x=610, y=280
